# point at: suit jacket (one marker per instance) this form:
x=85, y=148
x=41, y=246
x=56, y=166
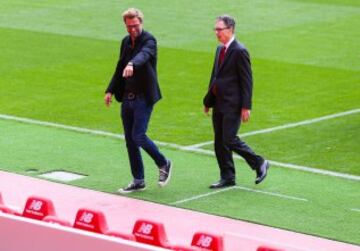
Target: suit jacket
x=233, y=80
x=145, y=73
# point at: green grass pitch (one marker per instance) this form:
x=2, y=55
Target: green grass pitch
x=57, y=58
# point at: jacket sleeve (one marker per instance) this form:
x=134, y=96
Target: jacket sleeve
x=147, y=51
x=245, y=77
x=209, y=98
x=116, y=78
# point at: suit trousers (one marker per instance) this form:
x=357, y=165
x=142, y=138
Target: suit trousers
x=226, y=126
x=135, y=114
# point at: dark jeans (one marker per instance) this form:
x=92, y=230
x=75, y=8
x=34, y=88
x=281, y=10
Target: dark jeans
x=226, y=126
x=135, y=114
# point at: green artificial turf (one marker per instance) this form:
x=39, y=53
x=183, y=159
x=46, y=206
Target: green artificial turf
x=328, y=144
x=103, y=160
x=57, y=58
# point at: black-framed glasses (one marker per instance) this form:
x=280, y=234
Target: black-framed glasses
x=221, y=29
x=134, y=26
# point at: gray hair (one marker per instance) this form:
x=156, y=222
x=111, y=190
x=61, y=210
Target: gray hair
x=228, y=21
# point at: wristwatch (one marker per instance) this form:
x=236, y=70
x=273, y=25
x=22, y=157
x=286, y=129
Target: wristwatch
x=130, y=64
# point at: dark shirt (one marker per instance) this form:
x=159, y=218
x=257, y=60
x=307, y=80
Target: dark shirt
x=131, y=86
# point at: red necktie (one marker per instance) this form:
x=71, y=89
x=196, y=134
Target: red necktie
x=220, y=60
x=221, y=55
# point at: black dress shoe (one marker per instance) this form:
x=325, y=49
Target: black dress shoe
x=222, y=184
x=262, y=172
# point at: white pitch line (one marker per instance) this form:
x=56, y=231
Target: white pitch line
x=56, y=125
x=78, y=129
x=271, y=193
x=171, y=145
x=201, y=196
x=316, y=170
x=355, y=209
x=240, y=188
x=287, y=165
x=290, y=125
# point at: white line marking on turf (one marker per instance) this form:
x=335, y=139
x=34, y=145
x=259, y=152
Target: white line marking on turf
x=290, y=125
x=290, y=166
x=66, y=127
x=174, y=146
x=315, y=170
x=201, y=196
x=77, y=129
x=355, y=209
x=240, y=188
x=271, y=193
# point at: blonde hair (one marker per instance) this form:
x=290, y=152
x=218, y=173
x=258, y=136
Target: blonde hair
x=132, y=13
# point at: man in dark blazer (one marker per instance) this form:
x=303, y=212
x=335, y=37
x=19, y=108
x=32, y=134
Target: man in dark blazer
x=135, y=84
x=229, y=95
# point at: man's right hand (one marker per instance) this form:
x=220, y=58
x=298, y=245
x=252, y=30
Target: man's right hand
x=128, y=71
x=108, y=99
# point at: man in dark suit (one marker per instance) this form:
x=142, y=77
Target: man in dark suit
x=135, y=84
x=229, y=95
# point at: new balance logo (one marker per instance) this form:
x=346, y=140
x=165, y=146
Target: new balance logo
x=145, y=228
x=204, y=241
x=87, y=217
x=36, y=205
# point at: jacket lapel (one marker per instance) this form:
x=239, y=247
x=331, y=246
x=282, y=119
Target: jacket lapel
x=218, y=49
x=227, y=55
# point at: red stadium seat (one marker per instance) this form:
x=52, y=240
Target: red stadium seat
x=208, y=241
x=150, y=232
x=265, y=248
x=56, y=220
x=129, y=237
x=90, y=220
x=38, y=208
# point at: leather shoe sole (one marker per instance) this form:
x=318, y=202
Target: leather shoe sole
x=263, y=172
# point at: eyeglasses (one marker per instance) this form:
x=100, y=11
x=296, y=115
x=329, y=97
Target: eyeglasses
x=134, y=26
x=221, y=29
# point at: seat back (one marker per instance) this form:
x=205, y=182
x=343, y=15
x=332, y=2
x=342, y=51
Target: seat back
x=150, y=232
x=38, y=208
x=208, y=241
x=90, y=220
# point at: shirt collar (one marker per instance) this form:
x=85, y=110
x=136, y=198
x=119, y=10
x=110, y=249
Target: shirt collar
x=229, y=42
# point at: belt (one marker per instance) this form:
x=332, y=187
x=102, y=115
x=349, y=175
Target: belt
x=131, y=95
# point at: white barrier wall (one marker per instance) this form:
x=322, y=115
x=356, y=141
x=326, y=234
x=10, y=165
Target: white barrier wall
x=22, y=234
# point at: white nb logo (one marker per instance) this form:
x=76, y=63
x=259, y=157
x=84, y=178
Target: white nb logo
x=204, y=241
x=86, y=217
x=145, y=228
x=36, y=205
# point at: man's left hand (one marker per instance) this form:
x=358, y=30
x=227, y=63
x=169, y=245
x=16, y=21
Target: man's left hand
x=245, y=115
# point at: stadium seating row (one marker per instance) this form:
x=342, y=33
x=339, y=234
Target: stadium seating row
x=144, y=231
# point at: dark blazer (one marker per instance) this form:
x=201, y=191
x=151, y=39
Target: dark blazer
x=145, y=73
x=233, y=80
